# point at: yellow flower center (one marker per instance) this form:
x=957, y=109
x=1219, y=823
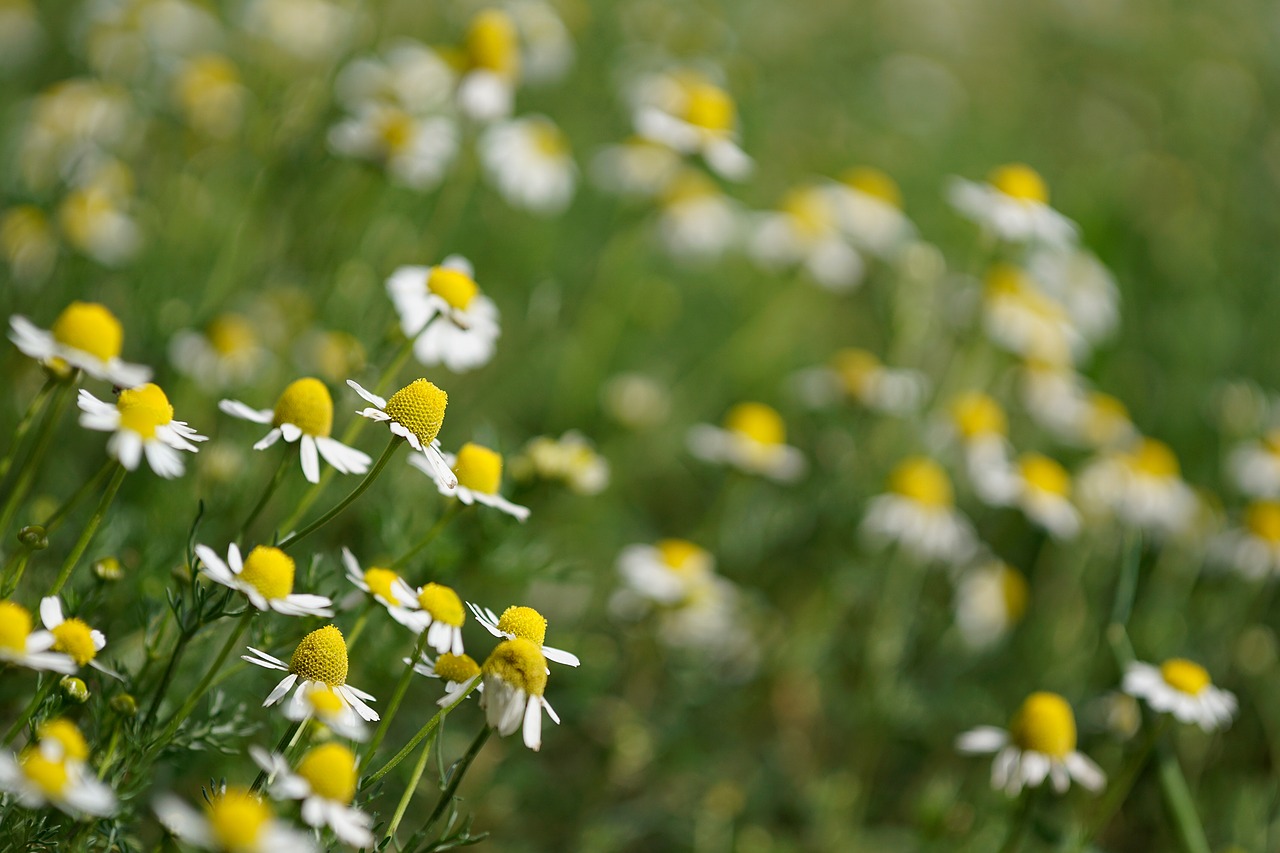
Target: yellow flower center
x=331, y=771
x=324, y=701
x=1263, y=520
x=1020, y=181
x=1184, y=675
x=89, y=327
x=68, y=737
x=453, y=286
x=236, y=819
x=457, y=668
x=1272, y=441
x=306, y=404
x=758, y=422
x=270, y=571
x=1155, y=459
x=520, y=663
x=479, y=469
x=419, y=408
x=143, y=410
x=525, y=623
x=1006, y=280
x=689, y=185
x=395, y=129
x=1014, y=587
x=230, y=334
x=923, y=481
x=547, y=139
x=442, y=603
x=493, y=44
x=49, y=776
x=709, y=107
x=321, y=656
x=855, y=367
x=74, y=638
x=681, y=555
x=1106, y=417
x=1046, y=725
x=379, y=582
x=976, y=415
x=15, y=626
x=809, y=210
x=1043, y=474
x=874, y=183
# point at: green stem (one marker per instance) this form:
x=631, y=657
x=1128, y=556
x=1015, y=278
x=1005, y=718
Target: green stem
x=446, y=797
x=411, y=789
x=1119, y=786
x=359, y=490
x=162, y=688
x=1021, y=823
x=24, y=426
x=401, y=687
x=176, y=720
x=1177, y=797
x=14, y=568
x=445, y=518
x=89, y=485
x=430, y=726
x=287, y=740
x=86, y=536
x=26, y=472
x=42, y=693
x=270, y=490
x=361, y=621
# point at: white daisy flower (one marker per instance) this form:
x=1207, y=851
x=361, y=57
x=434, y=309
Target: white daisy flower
x=21, y=646
x=1082, y=285
x=387, y=588
x=570, y=458
x=141, y=422
x=981, y=426
x=325, y=782
x=1013, y=205
x=487, y=89
x=990, y=600
x=310, y=30
x=1044, y=495
x=322, y=703
x=440, y=613
x=233, y=820
x=857, y=375
x=665, y=572
x=303, y=413
x=1182, y=688
x=479, y=473
x=636, y=168
x=529, y=161
x=95, y=219
x=710, y=621
x=805, y=232
x=319, y=659
x=1040, y=744
x=265, y=577
x=442, y=309
x=693, y=115
x=55, y=771
x=752, y=439
x=226, y=352
x=1020, y=318
x=408, y=75
x=73, y=637
x=1060, y=400
x=918, y=513
x=1252, y=549
x=1255, y=466
x=515, y=678
x=86, y=336
x=523, y=623
x=546, y=46
x=696, y=221
x=416, y=151
x=1142, y=486
x=869, y=208
x=458, y=671
x=414, y=413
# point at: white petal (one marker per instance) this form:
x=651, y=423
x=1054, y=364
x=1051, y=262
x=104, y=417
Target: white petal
x=51, y=611
x=239, y=410
x=369, y=396
x=310, y=460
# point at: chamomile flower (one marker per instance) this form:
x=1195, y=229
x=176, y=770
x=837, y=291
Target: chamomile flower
x=981, y=425
x=636, y=168
x=387, y=588
x=27, y=240
x=515, y=678
x=1253, y=548
x=1062, y=402
x=696, y=221
x=442, y=309
x=805, y=232
x=546, y=46
x=664, y=572
x=858, y=375
x=1039, y=744
x=141, y=422
x=55, y=771
x=86, y=336
x=479, y=473
x=225, y=352
x=752, y=439
x=1013, y=205
x=990, y=600
x=414, y=413
x=233, y=820
x=208, y=91
x=265, y=577
x=687, y=111
x=440, y=613
x=570, y=458
x=1182, y=688
x=308, y=30
x=529, y=162
x=73, y=637
x=869, y=207
x=523, y=623
x=321, y=703
x=1082, y=285
x=1255, y=466
x=21, y=646
x=458, y=671
x=919, y=514
x=1141, y=486
x=1044, y=495
x=415, y=150
x=303, y=413
x=1020, y=318
x=320, y=659
x=487, y=89
x=325, y=782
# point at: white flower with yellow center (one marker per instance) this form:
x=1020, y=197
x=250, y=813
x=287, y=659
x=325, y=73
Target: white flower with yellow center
x=95, y=216
x=665, y=572
x=86, y=336
x=141, y=422
x=479, y=473
x=414, y=413
x=21, y=646
x=226, y=352
x=1142, y=486
x=918, y=513
x=309, y=30
x=546, y=46
x=323, y=704
x=570, y=458
x=805, y=232
x=1253, y=548
x=1082, y=285
x=712, y=622
x=325, y=782
x=858, y=375
x=1061, y=401
x=73, y=637
x=320, y=659
x=442, y=309
x=265, y=577
x=1255, y=466
x=304, y=413
x=387, y=588
x=1044, y=495
x=990, y=600
x=529, y=162
x=408, y=75
x=234, y=820
x=515, y=678
x=752, y=439
x=55, y=771
x=1013, y=205
x=636, y=168
x=687, y=111
x=696, y=221
x=1182, y=688
x=27, y=240
x=869, y=206
x=523, y=623
x=459, y=672
x=487, y=89
x=415, y=150
x=440, y=613
x=1020, y=318
x=1039, y=744
x=982, y=427
x=72, y=121
x=208, y=91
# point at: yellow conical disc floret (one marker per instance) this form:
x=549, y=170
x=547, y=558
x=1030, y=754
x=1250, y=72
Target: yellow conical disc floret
x=143, y=409
x=1184, y=675
x=237, y=819
x=855, y=367
x=270, y=571
x=976, y=414
x=1046, y=725
x=520, y=663
x=874, y=183
x=479, y=469
x=306, y=404
x=65, y=733
x=810, y=211
x=381, y=582
x=442, y=603
x=321, y=656
x=1155, y=459
x=1020, y=181
x=923, y=481
x=524, y=622
x=75, y=639
x=419, y=407
x=1043, y=474
x=681, y=555
x=15, y=627
x=689, y=185
x=493, y=44
x=89, y=327
x=709, y=107
x=325, y=701
x=49, y=776
x=453, y=286
x=230, y=334
x=331, y=771
x=548, y=139
x=1263, y=520
x=456, y=668
x=758, y=422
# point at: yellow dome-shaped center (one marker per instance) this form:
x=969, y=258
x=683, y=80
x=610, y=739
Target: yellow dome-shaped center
x=758, y=422
x=923, y=481
x=270, y=571
x=380, y=582
x=524, y=622
x=977, y=415
x=1155, y=459
x=856, y=368
x=547, y=139
x=49, y=776
x=442, y=603
x=330, y=769
x=479, y=469
x=15, y=627
x=324, y=701
x=1020, y=181
x=453, y=286
x=874, y=183
x=681, y=555
x=89, y=327
x=321, y=656
x=810, y=211
x=709, y=107
x=1184, y=675
x=1045, y=475
x=75, y=639
x=689, y=185
x=237, y=819
x=1046, y=725
x=67, y=736
x=395, y=129
x=457, y=668
x=520, y=663
x=1263, y=520
x=306, y=404
x=419, y=407
x=144, y=409
x=493, y=43
x=230, y=334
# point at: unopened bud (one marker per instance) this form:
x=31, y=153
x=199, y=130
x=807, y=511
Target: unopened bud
x=124, y=705
x=33, y=536
x=108, y=569
x=74, y=689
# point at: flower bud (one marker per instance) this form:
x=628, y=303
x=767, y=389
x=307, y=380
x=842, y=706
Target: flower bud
x=33, y=536
x=108, y=569
x=74, y=689
x=124, y=705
